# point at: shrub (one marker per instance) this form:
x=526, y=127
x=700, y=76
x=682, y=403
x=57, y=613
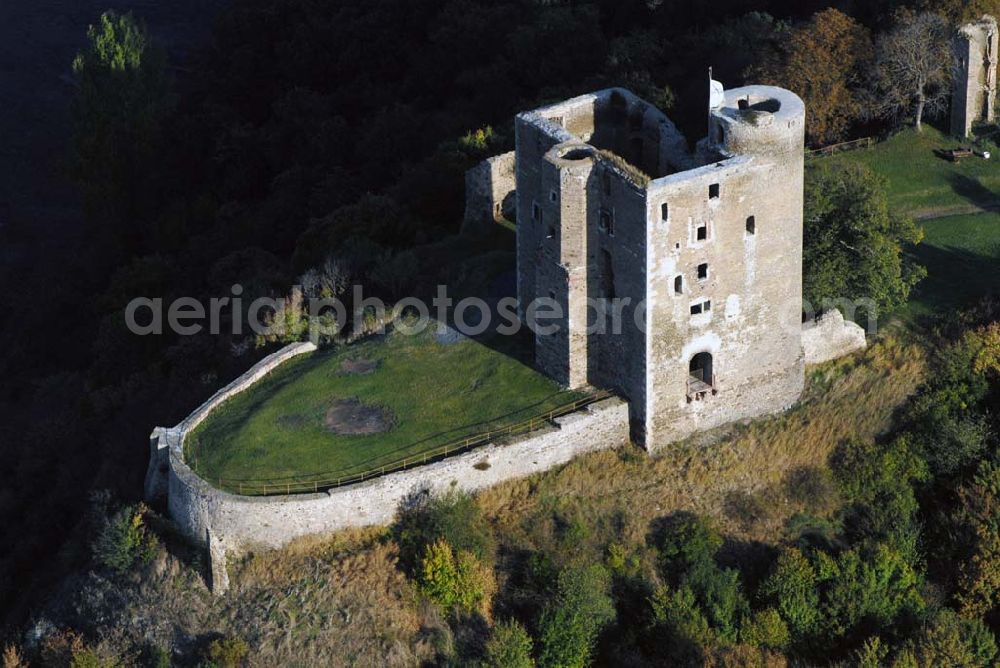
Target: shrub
x=811, y=486
x=766, y=629
x=227, y=652
x=509, y=646
x=951, y=641
x=12, y=657
x=125, y=539
x=454, y=517
x=681, y=617
x=872, y=654
x=571, y=623
x=460, y=580
x=687, y=557
x=792, y=589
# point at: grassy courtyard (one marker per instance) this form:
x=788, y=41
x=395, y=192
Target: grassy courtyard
x=961, y=249
x=921, y=183
x=962, y=256
x=367, y=405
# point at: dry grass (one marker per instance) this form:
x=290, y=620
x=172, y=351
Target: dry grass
x=342, y=600
x=619, y=493
x=334, y=601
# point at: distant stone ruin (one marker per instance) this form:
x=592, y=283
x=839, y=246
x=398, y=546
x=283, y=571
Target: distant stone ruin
x=975, y=78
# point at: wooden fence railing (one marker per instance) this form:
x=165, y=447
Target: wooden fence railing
x=864, y=142
x=320, y=482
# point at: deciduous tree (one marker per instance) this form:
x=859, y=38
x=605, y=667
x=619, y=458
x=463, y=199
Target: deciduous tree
x=913, y=64
x=823, y=63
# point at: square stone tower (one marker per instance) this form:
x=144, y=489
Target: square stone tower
x=975, y=86
x=671, y=277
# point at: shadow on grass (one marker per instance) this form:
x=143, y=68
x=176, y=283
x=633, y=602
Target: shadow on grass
x=971, y=190
x=956, y=278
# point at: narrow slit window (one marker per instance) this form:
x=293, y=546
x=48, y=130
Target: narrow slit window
x=703, y=271
x=751, y=225
x=536, y=212
x=606, y=222
x=553, y=196
x=552, y=232
x=713, y=191
x=708, y=306
x=679, y=285
x=664, y=211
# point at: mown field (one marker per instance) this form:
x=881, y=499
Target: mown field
x=922, y=183
x=953, y=202
x=425, y=394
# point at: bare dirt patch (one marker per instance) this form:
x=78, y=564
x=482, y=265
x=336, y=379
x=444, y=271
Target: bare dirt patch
x=358, y=367
x=351, y=417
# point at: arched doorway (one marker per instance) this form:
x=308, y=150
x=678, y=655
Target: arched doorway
x=700, y=371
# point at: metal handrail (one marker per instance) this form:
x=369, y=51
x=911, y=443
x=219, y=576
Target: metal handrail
x=283, y=486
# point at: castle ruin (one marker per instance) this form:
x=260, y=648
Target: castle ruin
x=975, y=87
x=704, y=247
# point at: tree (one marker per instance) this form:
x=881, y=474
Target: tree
x=571, y=623
x=122, y=98
x=913, y=65
x=456, y=580
x=961, y=11
x=822, y=63
x=509, y=646
x=853, y=248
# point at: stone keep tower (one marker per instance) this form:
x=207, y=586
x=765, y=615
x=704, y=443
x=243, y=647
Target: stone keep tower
x=975, y=87
x=697, y=256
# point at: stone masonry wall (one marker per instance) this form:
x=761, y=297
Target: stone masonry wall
x=230, y=524
x=831, y=337
x=157, y=472
x=489, y=192
x=974, y=94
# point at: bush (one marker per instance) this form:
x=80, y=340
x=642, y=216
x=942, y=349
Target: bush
x=766, y=629
x=687, y=557
x=125, y=539
x=454, y=517
x=509, y=646
x=792, y=589
x=12, y=658
x=460, y=581
x=951, y=641
x=571, y=623
x=227, y=652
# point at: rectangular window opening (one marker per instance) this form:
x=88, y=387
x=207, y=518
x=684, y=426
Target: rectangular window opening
x=713, y=191
x=679, y=285
x=703, y=271
x=695, y=309
x=606, y=222
x=751, y=225
x=536, y=212
x=664, y=211
x=552, y=232
x=702, y=232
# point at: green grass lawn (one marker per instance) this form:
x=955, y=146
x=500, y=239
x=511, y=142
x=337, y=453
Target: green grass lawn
x=920, y=182
x=962, y=256
x=433, y=393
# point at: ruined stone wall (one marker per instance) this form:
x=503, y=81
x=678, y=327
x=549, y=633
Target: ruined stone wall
x=489, y=193
x=975, y=76
x=831, y=337
x=158, y=469
x=231, y=524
